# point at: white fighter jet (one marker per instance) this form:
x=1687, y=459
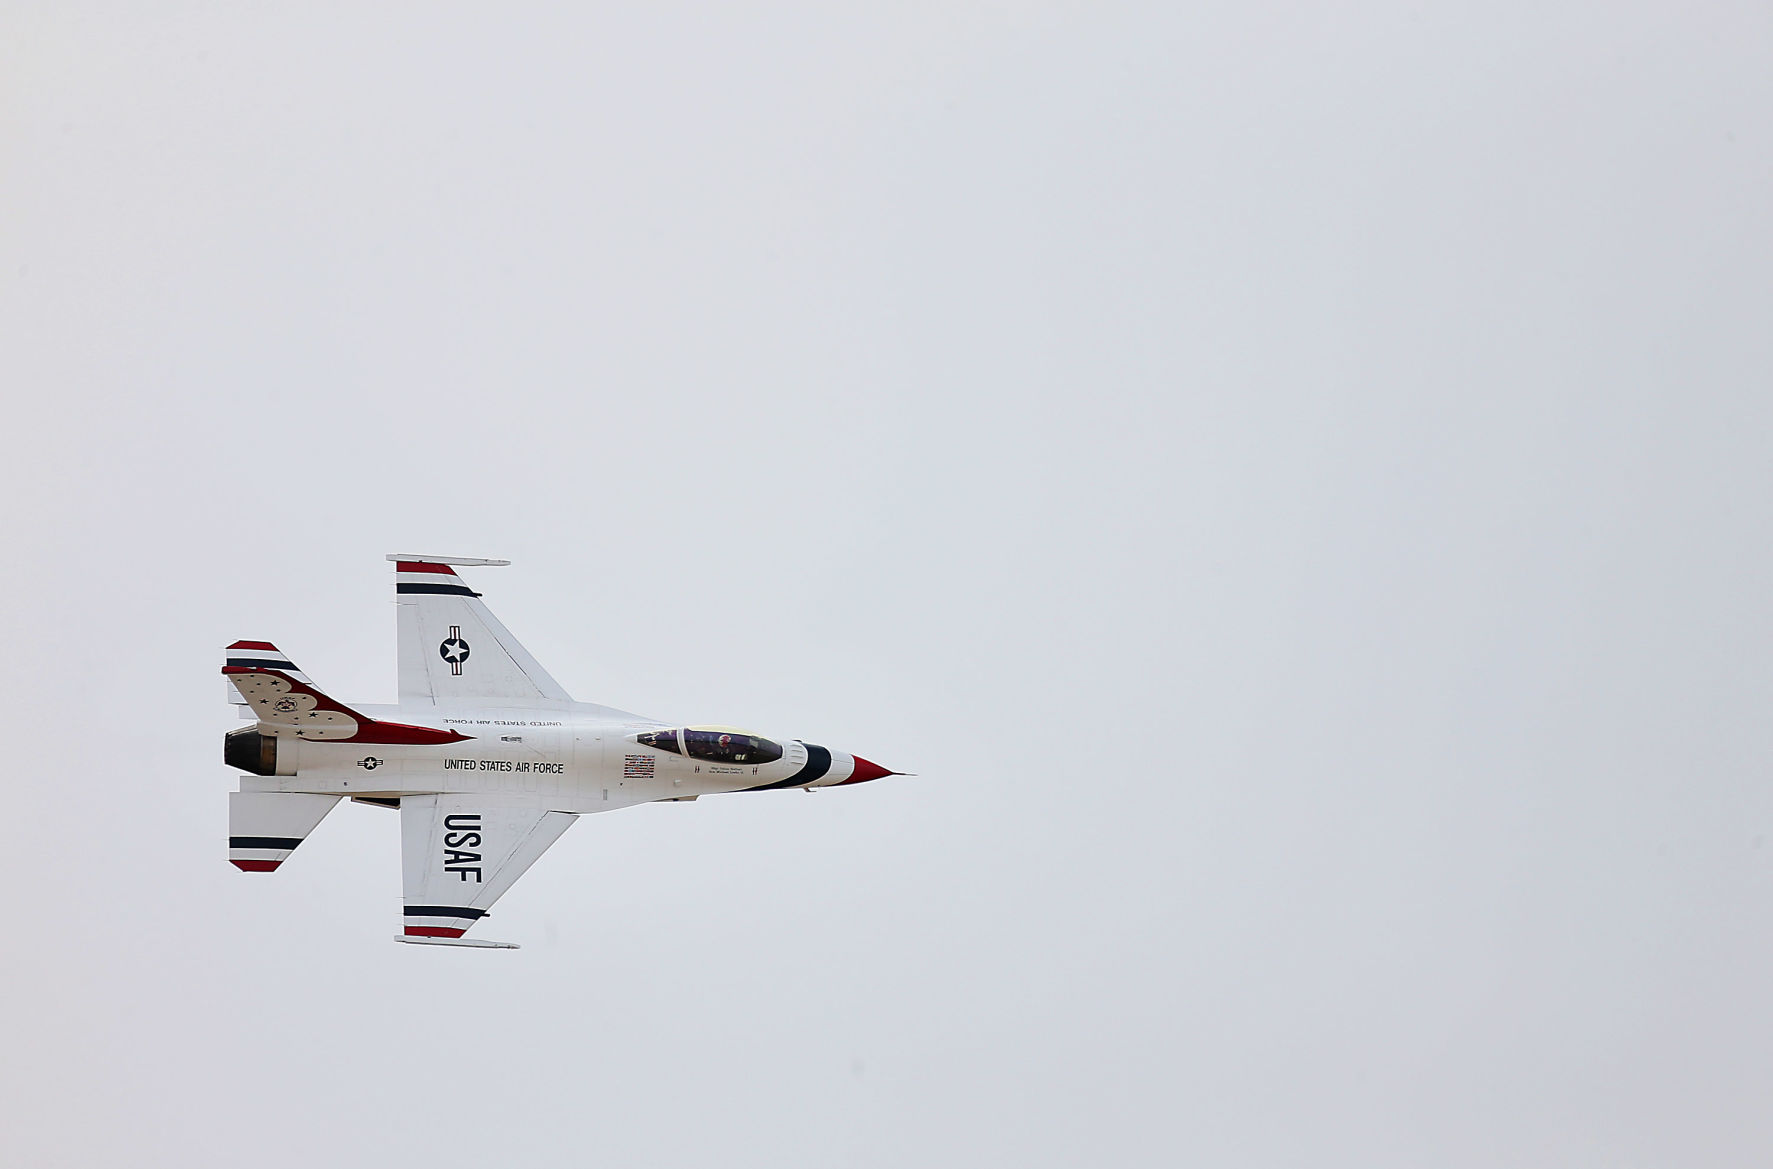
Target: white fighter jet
x=486, y=758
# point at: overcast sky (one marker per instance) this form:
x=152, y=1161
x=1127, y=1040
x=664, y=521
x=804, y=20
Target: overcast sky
x=1293, y=482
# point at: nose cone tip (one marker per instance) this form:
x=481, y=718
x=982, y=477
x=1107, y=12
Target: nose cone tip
x=866, y=771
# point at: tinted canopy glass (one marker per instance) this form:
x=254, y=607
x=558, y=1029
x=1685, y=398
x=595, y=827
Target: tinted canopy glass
x=730, y=747
x=715, y=744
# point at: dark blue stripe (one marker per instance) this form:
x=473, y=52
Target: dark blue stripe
x=454, y=590
x=818, y=762
x=281, y=842
x=444, y=911
x=263, y=663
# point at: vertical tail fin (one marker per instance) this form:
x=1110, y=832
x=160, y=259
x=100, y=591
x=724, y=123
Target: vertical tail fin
x=255, y=655
x=286, y=702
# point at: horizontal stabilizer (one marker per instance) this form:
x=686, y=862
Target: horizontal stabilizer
x=471, y=943
x=265, y=827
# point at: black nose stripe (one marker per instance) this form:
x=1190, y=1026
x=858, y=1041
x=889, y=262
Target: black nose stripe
x=818, y=762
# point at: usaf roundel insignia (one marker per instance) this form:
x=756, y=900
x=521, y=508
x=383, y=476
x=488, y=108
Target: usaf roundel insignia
x=454, y=650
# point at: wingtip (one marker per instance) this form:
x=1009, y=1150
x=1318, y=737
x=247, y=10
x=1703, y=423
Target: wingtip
x=465, y=943
x=468, y=561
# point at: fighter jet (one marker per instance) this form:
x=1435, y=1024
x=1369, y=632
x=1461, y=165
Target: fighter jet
x=486, y=758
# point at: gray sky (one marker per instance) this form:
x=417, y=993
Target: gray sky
x=1292, y=481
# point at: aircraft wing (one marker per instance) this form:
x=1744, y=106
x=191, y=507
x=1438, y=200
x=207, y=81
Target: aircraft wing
x=452, y=648
x=460, y=853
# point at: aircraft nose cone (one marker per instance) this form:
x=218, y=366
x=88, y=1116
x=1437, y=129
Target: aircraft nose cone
x=866, y=771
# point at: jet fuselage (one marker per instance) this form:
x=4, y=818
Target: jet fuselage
x=581, y=758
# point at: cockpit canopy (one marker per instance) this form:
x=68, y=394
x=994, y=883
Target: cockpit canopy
x=715, y=744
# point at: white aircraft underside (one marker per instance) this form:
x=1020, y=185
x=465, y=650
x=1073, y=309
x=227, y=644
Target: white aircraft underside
x=486, y=758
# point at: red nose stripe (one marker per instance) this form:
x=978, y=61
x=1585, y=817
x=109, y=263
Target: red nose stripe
x=865, y=771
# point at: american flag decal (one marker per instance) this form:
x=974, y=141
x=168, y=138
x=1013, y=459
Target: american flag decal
x=638, y=766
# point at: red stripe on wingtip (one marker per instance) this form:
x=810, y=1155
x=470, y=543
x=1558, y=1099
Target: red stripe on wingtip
x=256, y=866
x=433, y=931
x=252, y=645
x=420, y=566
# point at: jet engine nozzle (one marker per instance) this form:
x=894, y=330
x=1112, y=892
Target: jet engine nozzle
x=250, y=751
